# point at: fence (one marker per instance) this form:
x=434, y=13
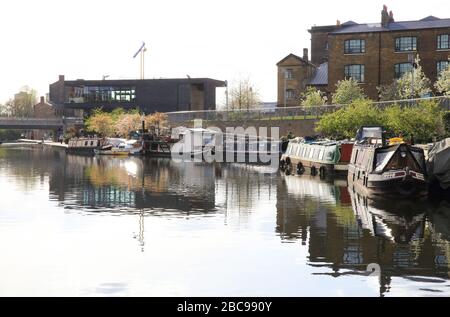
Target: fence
x=280, y=113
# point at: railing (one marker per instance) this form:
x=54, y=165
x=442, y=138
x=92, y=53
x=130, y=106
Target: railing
x=39, y=122
x=282, y=113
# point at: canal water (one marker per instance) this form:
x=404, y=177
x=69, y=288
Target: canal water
x=109, y=226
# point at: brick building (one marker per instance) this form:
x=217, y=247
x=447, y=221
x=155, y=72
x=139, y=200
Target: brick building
x=372, y=53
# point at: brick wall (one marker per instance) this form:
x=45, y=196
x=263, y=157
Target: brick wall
x=380, y=57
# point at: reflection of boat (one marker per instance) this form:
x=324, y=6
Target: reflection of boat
x=380, y=168
x=129, y=147
x=397, y=220
x=438, y=166
x=324, y=157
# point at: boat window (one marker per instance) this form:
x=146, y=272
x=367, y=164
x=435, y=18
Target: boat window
x=356, y=157
x=85, y=143
x=321, y=153
x=382, y=159
x=92, y=143
x=328, y=154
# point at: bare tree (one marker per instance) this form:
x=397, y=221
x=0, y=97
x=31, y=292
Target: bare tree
x=244, y=95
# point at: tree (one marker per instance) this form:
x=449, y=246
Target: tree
x=312, y=97
x=126, y=123
x=23, y=103
x=419, y=123
x=442, y=85
x=100, y=122
x=345, y=122
x=157, y=119
x=413, y=83
x=347, y=91
x=243, y=95
x=389, y=92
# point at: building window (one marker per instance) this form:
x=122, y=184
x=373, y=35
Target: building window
x=443, y=42
x=354, y=71
x=442, y=65
x=290, y=93
x=289, y=74
x=402, y=68
x=354, y=46
x=406, y=44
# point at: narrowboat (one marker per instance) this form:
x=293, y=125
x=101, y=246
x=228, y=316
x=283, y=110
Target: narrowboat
x=128, y=147
x=317, y=157
x=85, y=145
x=378, y=167
x=438, y=167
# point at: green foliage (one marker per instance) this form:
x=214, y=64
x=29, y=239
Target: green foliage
x=344, y=122
x=347, y=91
x=446, y=118
x=312, y=97
x=9, y=135
x=419, y=123
x=442, y=85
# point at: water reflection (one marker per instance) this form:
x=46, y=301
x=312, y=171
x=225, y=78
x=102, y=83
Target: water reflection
x=346, y=232
x=246, y=213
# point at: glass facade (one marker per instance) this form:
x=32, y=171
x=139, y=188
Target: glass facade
x=99, y=94
x=406, y=44
x=443, y=42
x=354, y=71
x=354, y=46
x=402, y=68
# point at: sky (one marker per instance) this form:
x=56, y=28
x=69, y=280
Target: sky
x=225, y=40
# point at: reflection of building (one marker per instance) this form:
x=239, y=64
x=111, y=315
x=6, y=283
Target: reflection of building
x=149, y=95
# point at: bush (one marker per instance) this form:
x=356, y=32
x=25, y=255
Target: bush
x=345, y=122
x=419, y=123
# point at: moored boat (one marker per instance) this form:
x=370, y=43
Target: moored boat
x=85, y=145
x=390, y=168
x=317, y=157
x=438, y=167
x=129, y=147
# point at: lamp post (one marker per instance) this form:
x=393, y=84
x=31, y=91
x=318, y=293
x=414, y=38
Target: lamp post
x=226, y=94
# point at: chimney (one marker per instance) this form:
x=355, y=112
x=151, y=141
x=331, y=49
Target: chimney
x=305, y=54
x=61, y=77
x=338, y=23
x=391, y=17
x=384, y=16
x=42, y=99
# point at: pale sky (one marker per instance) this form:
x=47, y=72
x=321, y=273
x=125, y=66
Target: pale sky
x=224, y=40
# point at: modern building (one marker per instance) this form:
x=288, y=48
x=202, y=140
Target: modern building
x=149, y=95
x=372, y=53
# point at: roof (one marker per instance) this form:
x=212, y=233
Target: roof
x=320, y=76
x=429, y=22
x=217, y=83
x=296, y=57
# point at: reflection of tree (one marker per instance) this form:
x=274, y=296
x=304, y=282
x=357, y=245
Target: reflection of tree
x=392, y=233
